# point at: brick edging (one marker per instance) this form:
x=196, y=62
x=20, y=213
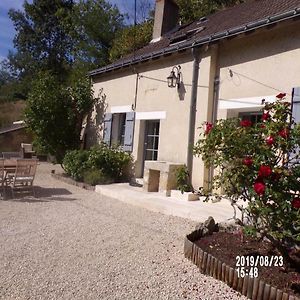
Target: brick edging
x=69, y=180
x=253, y=288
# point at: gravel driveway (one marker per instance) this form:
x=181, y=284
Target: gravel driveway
x=71, y=243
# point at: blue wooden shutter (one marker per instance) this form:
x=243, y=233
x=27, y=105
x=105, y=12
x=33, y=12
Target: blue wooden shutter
x=293, y=157
x=107, y=128
x=129, y=128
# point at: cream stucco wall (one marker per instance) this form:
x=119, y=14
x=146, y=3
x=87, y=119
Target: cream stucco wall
x=153, y=95
x=262, y=63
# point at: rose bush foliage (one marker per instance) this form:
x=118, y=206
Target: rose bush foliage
x=258, y=163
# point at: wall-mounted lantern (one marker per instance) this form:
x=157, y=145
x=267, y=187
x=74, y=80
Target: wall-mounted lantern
x=174, y=78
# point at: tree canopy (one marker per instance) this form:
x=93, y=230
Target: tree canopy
x=62, y=35
x=54, y=113
x=191, y=10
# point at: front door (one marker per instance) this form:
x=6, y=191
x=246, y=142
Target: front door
x=151, y=140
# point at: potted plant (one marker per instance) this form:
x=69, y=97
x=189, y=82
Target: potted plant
x=184, y=190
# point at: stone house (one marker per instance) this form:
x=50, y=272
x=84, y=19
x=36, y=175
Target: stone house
x=156, y=99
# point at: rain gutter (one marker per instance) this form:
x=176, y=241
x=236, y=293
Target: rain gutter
x=196, y=52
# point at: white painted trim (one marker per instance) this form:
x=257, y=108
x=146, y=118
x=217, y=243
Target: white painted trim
x=151, y=115
x=244, y=102
x=120, y=109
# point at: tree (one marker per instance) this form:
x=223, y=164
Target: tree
x=96, y=23
x=259, y=163
x=54, y=113
x=130, y=39
x=61, y=35
x=43, y=41
x=191, y=10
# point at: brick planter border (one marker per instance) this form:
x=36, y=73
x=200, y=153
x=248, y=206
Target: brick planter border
x=253, y=288
x=69, y=180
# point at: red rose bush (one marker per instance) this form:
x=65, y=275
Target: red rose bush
x=260, y=164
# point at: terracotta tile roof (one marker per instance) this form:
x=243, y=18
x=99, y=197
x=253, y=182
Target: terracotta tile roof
x=11, y=128
x=222, y=24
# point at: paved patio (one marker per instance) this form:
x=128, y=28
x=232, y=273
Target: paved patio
x=70, y=243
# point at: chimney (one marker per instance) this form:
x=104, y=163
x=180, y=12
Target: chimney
x=165, y=19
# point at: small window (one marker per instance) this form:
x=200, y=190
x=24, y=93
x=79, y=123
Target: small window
x=122, y=125
x=254, y=117
x=118, y=128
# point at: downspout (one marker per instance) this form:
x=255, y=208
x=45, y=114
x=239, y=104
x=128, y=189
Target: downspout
x=193, y=104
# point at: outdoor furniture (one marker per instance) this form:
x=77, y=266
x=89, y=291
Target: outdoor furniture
x=9, y=155
x=26, y=150
x=24, y=174
x=9, y=169
x=2, y=175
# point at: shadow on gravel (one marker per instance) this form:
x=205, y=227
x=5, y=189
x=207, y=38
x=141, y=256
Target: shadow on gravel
x=41, y=195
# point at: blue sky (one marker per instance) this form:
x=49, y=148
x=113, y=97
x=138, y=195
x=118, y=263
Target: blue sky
x=7, y=31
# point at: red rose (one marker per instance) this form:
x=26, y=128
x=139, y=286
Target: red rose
x=208, y=128
x=281, y=95
x=296, y=203
x=270, y=140
x=262, y=126
x=245, y=123
x=284, y=133
x=266, y=116
x=259, y=187
x=248, y=161
x=264, y=171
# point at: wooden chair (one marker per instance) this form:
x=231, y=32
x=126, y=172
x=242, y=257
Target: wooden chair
x=2, y=175
x=9, y=155
x=26, y=150
x=24, y=174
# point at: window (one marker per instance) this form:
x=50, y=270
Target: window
x=254, y=117
x=122, y=125
x=151, y=140
x=118, y=128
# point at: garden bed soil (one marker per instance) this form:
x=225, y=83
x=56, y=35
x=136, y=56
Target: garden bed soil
x=67, y=179
x=227, y=246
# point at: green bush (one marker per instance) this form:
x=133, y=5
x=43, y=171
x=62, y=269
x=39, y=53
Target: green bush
x=112, y=161
x=101, y=162
x=94, y=177
x=75, y=163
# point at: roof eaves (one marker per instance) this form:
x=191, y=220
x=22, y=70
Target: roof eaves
x=203, y=40
x=12, y=128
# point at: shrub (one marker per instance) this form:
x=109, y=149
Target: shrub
x=101, y=161
x=112, y=161
x=75, y=163
x=94, y=177
x=183, y=180
x=259, y=163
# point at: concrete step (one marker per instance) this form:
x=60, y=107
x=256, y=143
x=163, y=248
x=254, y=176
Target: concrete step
x=195, y=210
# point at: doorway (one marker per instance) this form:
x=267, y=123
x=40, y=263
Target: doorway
x=151, y=140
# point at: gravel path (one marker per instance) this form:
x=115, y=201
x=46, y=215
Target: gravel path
x=74, y=244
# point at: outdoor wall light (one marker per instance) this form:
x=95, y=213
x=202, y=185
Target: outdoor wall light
x=174, y=78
